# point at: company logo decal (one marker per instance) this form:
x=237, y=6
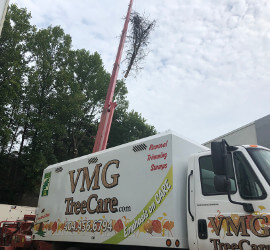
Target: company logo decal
x=46, y=184
x=123, y=227
x=94, y=204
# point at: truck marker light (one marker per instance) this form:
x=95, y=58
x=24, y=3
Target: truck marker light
x=177, y=243
x=253, y=146
x=168, y=242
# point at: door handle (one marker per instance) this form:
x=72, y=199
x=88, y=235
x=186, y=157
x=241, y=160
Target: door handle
x=189, y=210
x=202, y=229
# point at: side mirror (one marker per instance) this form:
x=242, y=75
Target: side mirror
x=220, y=165
x=220, y=183
x=219, y=157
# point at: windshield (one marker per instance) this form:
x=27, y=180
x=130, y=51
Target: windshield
x=262, y=159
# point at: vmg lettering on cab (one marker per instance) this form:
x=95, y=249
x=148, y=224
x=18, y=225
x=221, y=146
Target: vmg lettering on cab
x=234, y=228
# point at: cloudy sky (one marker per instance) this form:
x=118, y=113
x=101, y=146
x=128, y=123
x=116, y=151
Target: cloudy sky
x=208, y=70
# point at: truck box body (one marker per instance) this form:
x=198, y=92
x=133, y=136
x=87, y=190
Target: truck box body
x=133, y=194
x=13, y=213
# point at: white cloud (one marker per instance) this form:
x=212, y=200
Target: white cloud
x=208, y=70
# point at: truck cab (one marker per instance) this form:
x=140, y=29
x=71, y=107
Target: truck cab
x=228, y=198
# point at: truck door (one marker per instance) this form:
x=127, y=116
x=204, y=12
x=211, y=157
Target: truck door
x=222, y=224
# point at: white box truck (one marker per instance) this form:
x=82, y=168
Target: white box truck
x=161, y=191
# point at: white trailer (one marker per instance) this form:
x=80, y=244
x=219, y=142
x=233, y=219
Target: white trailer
x=13, y=213
x=156, y=192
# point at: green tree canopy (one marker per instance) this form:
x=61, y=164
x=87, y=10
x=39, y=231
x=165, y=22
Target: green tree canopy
x=51, y=98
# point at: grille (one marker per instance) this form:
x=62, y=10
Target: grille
x=139, y=147
x=59, y=169
x=92, y=160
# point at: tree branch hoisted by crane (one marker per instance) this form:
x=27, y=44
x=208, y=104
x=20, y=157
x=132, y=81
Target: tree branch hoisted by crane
x=138, y=40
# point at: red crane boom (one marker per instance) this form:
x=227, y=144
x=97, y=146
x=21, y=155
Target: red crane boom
x=109, y=106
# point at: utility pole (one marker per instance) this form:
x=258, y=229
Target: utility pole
x=109, y=106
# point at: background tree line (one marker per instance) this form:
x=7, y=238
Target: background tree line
x=51, y=97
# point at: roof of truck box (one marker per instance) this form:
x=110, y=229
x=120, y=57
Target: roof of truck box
x=168, y=132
